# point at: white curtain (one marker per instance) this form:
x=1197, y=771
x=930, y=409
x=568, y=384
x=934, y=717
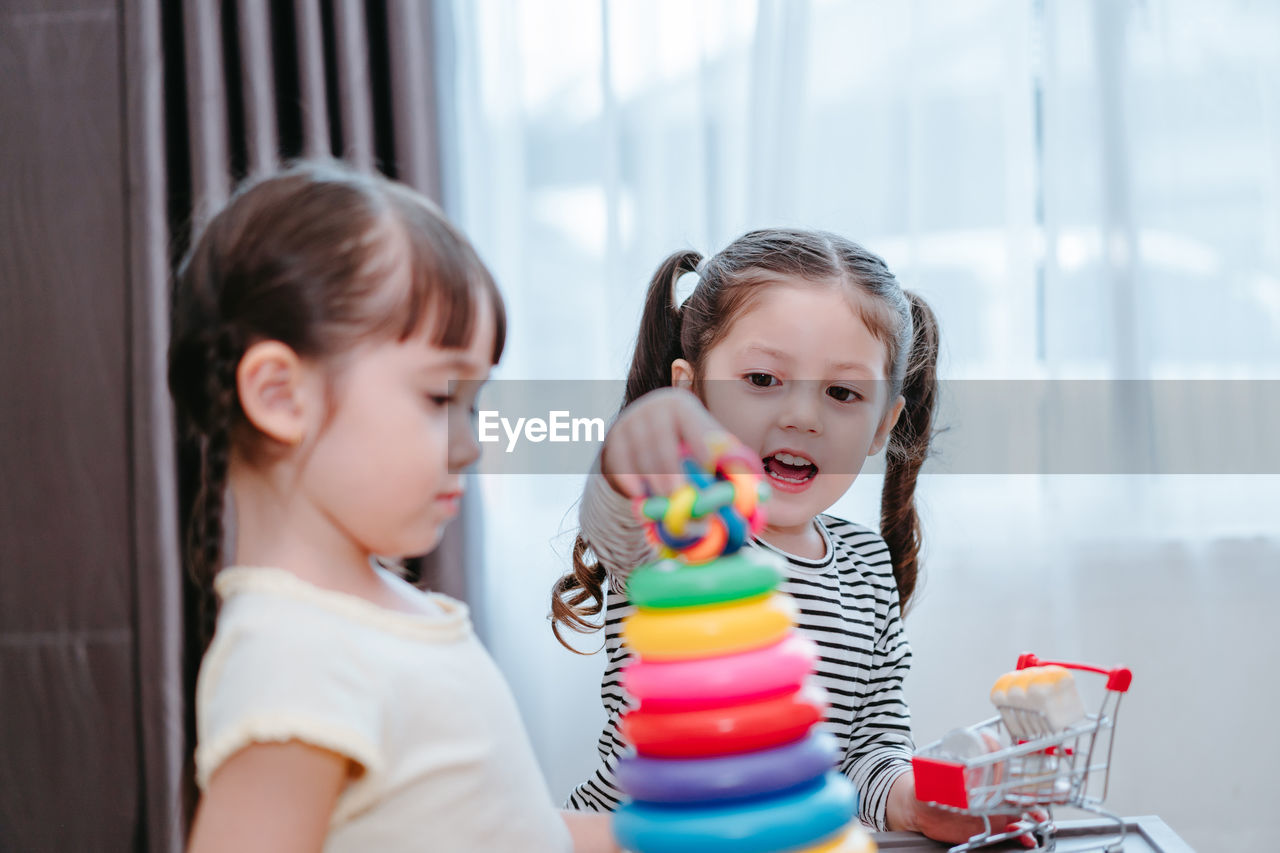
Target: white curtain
x=1086, y=190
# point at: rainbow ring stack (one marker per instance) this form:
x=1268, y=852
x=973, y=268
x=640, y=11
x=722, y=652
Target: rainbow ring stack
x=728, y=755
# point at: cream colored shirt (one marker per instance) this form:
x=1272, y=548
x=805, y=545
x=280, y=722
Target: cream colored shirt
x=413, y=699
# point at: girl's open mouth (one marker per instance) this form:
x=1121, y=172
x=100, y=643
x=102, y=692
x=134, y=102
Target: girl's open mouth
x=789, y=472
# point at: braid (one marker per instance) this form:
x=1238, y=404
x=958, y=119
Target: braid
x=206, y=527
x=571, y=592
x=908, y=448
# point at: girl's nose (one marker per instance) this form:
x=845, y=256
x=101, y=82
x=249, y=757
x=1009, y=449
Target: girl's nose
x=802, y=408
x=463, y=448
x=463, y=452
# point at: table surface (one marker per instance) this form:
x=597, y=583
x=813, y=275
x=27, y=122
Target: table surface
x=1147, y=834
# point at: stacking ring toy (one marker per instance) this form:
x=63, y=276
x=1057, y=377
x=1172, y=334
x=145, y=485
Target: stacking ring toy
x=853, y=840
x=695, y=632
x=728, y=777
x=721, y=731
x=669, y=583
x=688, y=685
x=790, y=821
x=728, y=756
x=714, y=515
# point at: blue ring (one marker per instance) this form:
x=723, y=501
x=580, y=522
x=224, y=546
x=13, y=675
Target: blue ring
x=761, y=825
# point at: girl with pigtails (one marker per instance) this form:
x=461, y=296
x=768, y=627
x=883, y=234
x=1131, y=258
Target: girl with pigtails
x=804, y=348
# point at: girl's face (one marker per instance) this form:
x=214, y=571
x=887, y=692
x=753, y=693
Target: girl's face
x=381, y=465
x=802, y=381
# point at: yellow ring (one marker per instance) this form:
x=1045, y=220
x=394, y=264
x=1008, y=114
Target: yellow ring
x=855, y=839
x=679, y=509
x=697, y=632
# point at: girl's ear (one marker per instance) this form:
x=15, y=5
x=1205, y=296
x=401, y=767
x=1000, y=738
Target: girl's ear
x=887, y=424
x=681, y=374
x=274, y=393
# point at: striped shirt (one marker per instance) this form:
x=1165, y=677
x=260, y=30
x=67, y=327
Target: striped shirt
x=848, y=606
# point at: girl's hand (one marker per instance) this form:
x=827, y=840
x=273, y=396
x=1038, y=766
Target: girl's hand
x=591, y=832
x=907, y=814
x=641, y=453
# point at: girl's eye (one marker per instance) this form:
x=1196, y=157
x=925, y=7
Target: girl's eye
x=843, y=394
x=762, y=380
x=442, y=400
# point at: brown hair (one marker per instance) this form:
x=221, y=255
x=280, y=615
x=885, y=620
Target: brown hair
x=727, y=284
x=303, y=257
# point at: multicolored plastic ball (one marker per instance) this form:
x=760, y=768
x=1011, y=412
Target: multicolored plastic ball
x=715, y=514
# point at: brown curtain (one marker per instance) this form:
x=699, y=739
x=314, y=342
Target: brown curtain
x=122, y=123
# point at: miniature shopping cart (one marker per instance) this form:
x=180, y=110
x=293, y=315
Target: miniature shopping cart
x=1027, y=771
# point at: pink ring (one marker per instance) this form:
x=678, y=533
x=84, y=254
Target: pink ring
x=687, y=685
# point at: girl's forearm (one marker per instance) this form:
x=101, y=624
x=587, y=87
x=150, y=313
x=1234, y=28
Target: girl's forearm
x=900, y=812
x=615, y=535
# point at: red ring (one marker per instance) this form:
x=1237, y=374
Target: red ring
x=722, y=731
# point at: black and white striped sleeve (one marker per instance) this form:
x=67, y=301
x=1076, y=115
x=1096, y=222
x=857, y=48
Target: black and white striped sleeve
x=600, y=792
x=616, y=536
x=880, y=745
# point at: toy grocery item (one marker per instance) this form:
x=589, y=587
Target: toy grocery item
x=727, y=753
x=1037, y=700
x=1043, y=750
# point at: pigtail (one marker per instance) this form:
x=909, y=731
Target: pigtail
x=658, y=342
x=572, y=592
x=908, y=448
x=578, y=596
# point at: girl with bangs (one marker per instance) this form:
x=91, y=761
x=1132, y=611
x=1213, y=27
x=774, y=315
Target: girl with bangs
x=326, y=324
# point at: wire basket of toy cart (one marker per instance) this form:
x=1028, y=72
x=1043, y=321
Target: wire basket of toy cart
x=1024, y=762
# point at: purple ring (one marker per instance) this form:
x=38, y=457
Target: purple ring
x=728, y=777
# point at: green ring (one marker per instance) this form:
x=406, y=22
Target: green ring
x=669, y=583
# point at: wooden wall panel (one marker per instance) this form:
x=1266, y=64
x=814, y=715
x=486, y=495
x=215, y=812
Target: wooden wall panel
x=68, y=717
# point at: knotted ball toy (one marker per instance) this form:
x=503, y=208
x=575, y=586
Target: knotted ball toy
x=714, y=514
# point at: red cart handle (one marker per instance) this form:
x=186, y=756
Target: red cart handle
x=1118, y=679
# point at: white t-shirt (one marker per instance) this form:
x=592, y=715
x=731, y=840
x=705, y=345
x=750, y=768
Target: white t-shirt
x=413, y=699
